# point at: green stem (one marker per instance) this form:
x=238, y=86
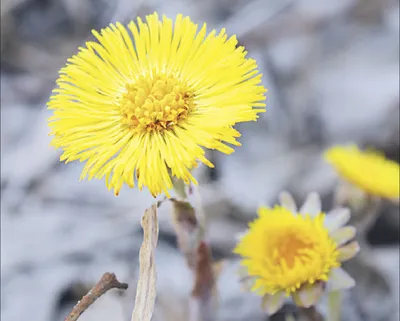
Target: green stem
x=334, y=304
x=180, y=188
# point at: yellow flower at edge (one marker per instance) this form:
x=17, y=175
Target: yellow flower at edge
x=141, y=103
x=287, y=252
x=368, y=171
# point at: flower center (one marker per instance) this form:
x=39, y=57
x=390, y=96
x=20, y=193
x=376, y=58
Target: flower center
x=291, y=247
x=156, y=104
x=299, y=251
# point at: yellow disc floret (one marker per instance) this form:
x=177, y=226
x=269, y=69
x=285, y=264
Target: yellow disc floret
x=156, y=103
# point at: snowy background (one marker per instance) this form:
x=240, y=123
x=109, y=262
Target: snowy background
x=332, y=70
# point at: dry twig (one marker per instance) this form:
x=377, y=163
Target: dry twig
x=146, y=288
x=108, y=281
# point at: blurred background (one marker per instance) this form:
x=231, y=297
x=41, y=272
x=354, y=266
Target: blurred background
x=332, y=70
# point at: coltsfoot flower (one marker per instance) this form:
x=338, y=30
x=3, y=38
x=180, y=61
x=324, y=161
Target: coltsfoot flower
x=141, y=103
x=294, y=253
x=369, y=171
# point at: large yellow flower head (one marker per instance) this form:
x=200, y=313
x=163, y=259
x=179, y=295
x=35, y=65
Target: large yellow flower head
x=298, y=253
x=368, y=171
x=142, y=103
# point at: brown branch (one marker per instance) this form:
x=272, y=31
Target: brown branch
x=107, y=282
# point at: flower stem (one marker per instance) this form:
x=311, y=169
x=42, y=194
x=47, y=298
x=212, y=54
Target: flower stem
x=334, y=304
x=180, y=188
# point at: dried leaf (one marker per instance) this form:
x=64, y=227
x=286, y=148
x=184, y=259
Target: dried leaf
x=146, y=288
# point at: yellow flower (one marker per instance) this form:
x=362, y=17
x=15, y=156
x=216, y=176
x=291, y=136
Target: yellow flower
x=286, y=252
x=142, y=103
x=369, y=171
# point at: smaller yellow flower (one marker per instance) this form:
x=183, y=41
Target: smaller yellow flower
x=296, y=253
x=367, y=170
